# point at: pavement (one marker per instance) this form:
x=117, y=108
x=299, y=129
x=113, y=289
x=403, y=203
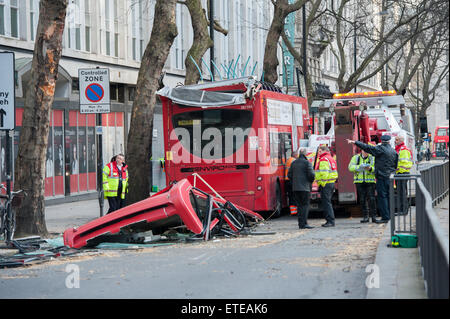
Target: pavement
x=398, y=269
x=396, y=280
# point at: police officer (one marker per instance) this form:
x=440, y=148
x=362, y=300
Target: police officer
x=405, y=162
x=326, y=176
x=362, y=165
x=115, y=182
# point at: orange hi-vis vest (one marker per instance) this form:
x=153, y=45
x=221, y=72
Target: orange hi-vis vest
x=288, y=165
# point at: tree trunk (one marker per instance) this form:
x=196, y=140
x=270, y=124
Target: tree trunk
x=139, y=144
x=281, y=10
x=30, y=163
x=270, y=51
x=201, y=43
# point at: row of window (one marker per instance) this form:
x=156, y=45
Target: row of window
x=71, y=161
x=120, y=28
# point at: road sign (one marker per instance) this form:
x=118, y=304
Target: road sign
x=94, y=90
x=7, y=91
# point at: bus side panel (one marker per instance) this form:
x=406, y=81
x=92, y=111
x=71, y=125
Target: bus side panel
x=264, y=195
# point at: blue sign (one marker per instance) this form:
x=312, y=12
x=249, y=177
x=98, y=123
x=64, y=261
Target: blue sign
x=95, y=92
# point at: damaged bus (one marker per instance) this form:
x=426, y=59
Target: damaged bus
x=237, y=135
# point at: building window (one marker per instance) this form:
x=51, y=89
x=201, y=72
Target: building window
x=108, y=43
x=88, y=39
x=179, y=40
x=136, y=28
x=2, y=18
x=116, y=45
x=14, y=19
x=34, y=16
x=116, y=29
x=117, y=92
x=131, y=93
x=9, y=18
x=446, y=112
x=78, y=21
x=87, y=28
x=107, y=27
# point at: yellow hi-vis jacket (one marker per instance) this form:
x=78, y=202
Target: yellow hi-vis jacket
x=326, y=170
x=360, y=174
x=111, y=179
x=405, y=161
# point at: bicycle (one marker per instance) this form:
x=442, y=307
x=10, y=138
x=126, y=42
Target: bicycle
x=7, y=214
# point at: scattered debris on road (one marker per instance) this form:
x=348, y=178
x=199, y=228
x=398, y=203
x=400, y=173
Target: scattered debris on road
x=179, y=213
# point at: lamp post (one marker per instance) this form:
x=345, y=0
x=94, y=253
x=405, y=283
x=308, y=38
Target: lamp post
x=211, y=34
x=354, y=50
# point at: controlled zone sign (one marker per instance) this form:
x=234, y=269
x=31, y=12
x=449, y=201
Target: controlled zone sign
x=7, y=91
x=94, y=90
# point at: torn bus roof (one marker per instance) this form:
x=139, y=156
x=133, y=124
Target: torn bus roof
x=179, y=204
x=201, y=98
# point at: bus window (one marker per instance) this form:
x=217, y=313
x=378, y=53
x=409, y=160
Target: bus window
x=287, y=145
x=442, y=132
x=225, y=129
x=275, y=148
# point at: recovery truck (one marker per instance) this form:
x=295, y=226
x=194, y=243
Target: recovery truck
x=364, y=117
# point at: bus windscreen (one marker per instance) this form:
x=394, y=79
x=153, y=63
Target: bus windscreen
x=213, y=133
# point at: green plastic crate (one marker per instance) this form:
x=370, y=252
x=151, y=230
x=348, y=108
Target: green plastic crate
x=404, y=240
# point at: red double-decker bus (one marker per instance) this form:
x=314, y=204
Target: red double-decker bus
x=237, y=135
x=440, y=142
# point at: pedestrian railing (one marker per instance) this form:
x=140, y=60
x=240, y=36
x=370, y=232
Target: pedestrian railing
x=430, y=187
x=433, y=245
x=436, y=180
x=402, y=191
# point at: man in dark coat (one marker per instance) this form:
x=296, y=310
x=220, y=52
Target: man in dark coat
x=301, y=175
x=386, y=160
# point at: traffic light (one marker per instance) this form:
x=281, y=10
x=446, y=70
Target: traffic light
x=423, y=125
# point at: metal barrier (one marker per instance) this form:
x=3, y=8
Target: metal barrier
x=436, y=181
x=428, y=189
x=433, y=245
x=402, y=190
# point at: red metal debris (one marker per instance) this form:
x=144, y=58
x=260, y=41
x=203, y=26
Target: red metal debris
x=178, y=204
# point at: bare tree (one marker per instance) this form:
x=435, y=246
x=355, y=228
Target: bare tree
x=282, y=9
x=403, y=67
x=355, y=21
x=30, y=163
x=202, y=41
x=139, y=143
x=314, y=13
x=432, y=71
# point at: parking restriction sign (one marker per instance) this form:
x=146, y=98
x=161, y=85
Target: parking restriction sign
x=94, y=90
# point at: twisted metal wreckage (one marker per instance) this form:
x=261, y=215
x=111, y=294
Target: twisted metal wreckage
x=178, y=206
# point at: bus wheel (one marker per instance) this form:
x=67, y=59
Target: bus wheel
x=278, y=205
